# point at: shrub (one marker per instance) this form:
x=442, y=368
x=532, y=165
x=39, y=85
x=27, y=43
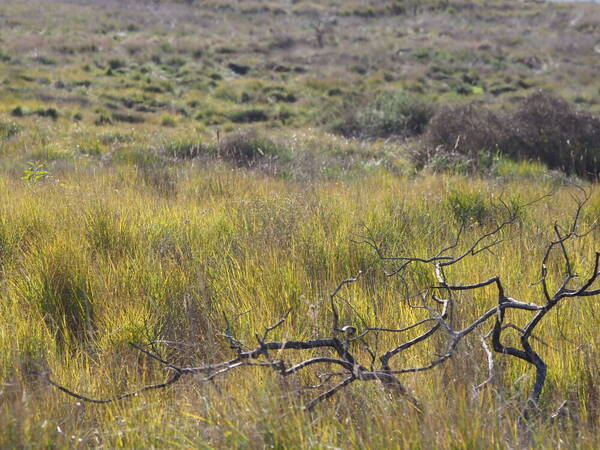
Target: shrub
x=17, y=112
x=543, y=128
x=246, y=147
x=463, y=133
x=187, y=149
x=116, y=63
x=467, y=206
x=388, y=114
x=127, y=118
x=548, y=129
x=47, y=112
x=282, y=41
x=249, y=115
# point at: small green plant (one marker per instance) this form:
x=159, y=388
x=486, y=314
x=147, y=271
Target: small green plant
x=35, y=171
x=467, y=206
x=168, y=121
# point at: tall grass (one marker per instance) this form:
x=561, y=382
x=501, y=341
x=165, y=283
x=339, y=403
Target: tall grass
x=137, y=204
x=91, y=268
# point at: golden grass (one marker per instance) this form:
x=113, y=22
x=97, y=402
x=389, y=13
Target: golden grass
x=100, y=257
x=134, y=237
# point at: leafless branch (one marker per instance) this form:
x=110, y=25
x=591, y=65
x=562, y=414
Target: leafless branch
x=348, y=345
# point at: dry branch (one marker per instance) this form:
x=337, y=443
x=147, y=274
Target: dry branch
x=339, y=351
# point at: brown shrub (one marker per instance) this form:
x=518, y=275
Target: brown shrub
x=543, y=127
x=467, y=129
x=549, y=129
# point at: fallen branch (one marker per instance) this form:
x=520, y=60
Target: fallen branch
x=341, y=350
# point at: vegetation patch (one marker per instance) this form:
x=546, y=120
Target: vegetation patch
x=394, y=113
x=128, y=118
x=248, y=146
x=8, y=130
x=188, y=149
x=542, y=128
x=249, y=115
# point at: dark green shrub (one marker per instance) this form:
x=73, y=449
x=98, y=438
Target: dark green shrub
x=395, y=113
x=187, y=149
x=249, y=115
x=246, y=147
x=116, y=63
x=83, y=83
x=127, y=118
x=45, y=60
x=47, y=112
x=153, y=88
x=17, y=112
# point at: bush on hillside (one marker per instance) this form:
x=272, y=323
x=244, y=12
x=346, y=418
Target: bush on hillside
x=463, y=132
x=543, y=128
x=387, y=114
x=246, y=147
x=548, y=129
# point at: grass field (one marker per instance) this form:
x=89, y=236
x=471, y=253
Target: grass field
x=166, y=166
